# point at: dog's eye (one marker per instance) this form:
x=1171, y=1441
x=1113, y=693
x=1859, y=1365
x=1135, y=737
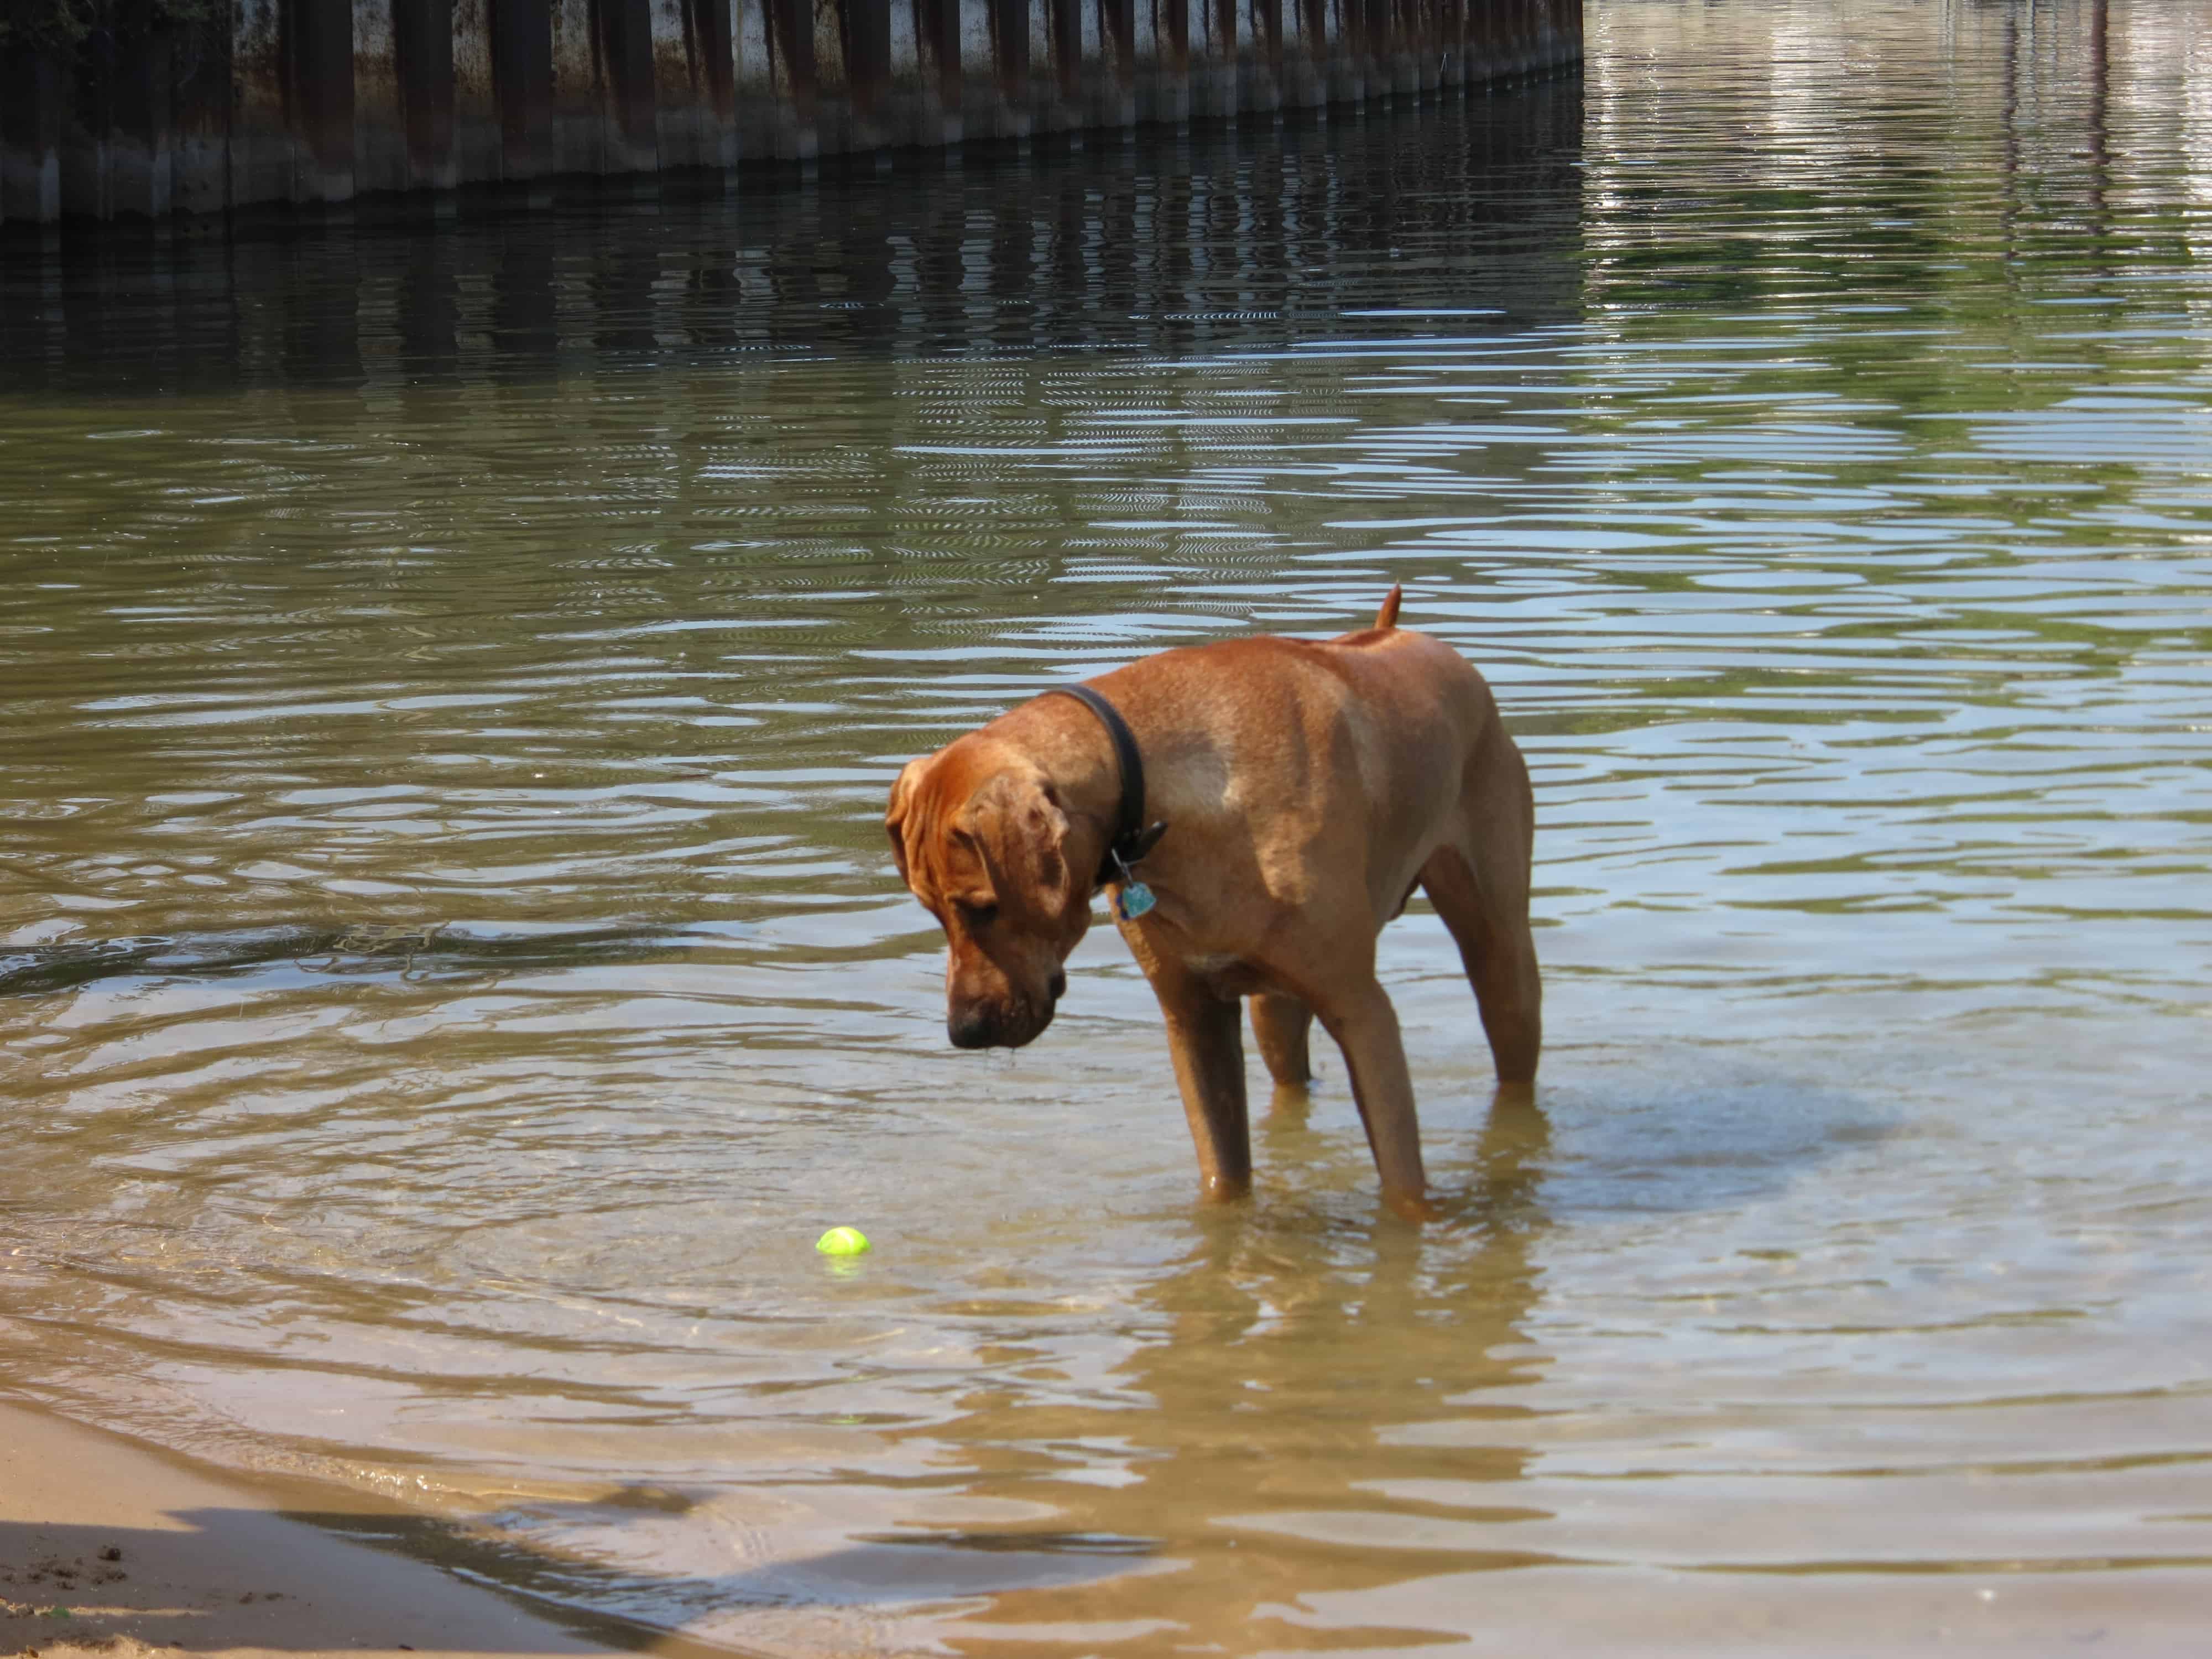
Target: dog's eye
x=978, y=916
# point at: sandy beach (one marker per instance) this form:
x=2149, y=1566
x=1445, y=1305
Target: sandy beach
x=108, y=1547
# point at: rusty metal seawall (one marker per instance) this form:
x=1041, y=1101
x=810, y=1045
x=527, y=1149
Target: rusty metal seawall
x=163, y=107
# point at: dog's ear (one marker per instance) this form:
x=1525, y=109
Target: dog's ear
x=1024, y=830
x=895, y=818
x=1046, y=822
x=1386, y=618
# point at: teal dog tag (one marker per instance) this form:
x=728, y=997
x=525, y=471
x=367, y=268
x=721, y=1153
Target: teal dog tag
x=1133, y=900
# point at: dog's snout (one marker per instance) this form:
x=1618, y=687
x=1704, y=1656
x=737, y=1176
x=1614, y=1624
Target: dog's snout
x=1057, y=985
x=970, y=1028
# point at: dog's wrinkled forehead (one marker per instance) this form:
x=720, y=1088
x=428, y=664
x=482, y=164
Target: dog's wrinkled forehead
x=940, y=818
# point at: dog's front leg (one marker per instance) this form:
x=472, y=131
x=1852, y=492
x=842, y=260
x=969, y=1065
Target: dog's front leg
x=1365, y=1026
x=1206, y=1038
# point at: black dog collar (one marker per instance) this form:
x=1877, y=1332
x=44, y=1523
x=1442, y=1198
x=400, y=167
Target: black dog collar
x=1132, y=838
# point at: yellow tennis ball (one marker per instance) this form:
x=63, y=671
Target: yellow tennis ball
x=842, y=1240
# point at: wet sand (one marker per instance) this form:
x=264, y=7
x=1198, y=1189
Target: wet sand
x=147, y=1555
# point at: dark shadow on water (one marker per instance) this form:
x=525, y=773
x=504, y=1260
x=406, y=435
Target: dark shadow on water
x=1716, y=1133
x=1464, y=213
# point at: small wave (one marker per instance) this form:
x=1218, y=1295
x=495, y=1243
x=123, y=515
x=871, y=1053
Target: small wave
x=45, y=970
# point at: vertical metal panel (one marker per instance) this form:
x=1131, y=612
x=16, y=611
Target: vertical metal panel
x=260, y=139
x=912, y=106
x=625, y=62
x=767, y=120
x=1305, y=27
x=1263, y=56
x=422, y=63
x=1170, y=79
x=1010, y=50
x=684, y=133
x=1413, y=61
x=200, y=79
x=1213, y=89
x=1379, y=38
x=717, y=48
x=476, y=137
x=580, y=111
x=1117, y=32
x=30, y=137
x=1267, y=31
x=1044, y=109
x=142, y=121
x=379, y=124
x=522, y=79
x=791, y=43
x=833, y=109
x=937, y=43
x=983, y=112
x=694, y=74
x=1338, y=67
x=864, y=31
x=318, y=37
x=88, y=99
x=1065, y=29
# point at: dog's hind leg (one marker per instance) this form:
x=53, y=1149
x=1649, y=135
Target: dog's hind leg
x=1365, y=1026
x=1280, y=1025
x=1479, y=882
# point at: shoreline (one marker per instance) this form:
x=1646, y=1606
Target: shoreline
x=145, y=1553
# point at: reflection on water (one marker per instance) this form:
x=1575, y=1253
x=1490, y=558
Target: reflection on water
x=450, y=971
x=1272, y=1353
x=1291, y=1374
x=1148, y=243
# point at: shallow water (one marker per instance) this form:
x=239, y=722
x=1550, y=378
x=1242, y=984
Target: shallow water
x=450, y=969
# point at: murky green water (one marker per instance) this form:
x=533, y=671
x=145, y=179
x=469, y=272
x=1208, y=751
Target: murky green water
x=451, y=971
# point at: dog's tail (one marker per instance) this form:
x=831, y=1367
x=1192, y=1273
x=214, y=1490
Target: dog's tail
x=1387, y=616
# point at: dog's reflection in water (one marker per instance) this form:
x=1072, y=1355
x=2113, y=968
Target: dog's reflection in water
x=1305, y=1417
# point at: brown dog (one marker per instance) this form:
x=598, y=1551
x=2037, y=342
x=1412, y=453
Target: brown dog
x=1305, y=790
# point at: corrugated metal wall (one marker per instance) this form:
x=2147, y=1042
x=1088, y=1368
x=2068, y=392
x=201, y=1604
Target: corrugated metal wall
x=159, y=110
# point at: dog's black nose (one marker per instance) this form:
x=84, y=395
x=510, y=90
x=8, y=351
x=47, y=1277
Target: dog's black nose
x=969, y=1029
x=1057, y=985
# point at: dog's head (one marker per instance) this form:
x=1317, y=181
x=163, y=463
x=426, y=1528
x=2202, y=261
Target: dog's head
x=982, y=841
